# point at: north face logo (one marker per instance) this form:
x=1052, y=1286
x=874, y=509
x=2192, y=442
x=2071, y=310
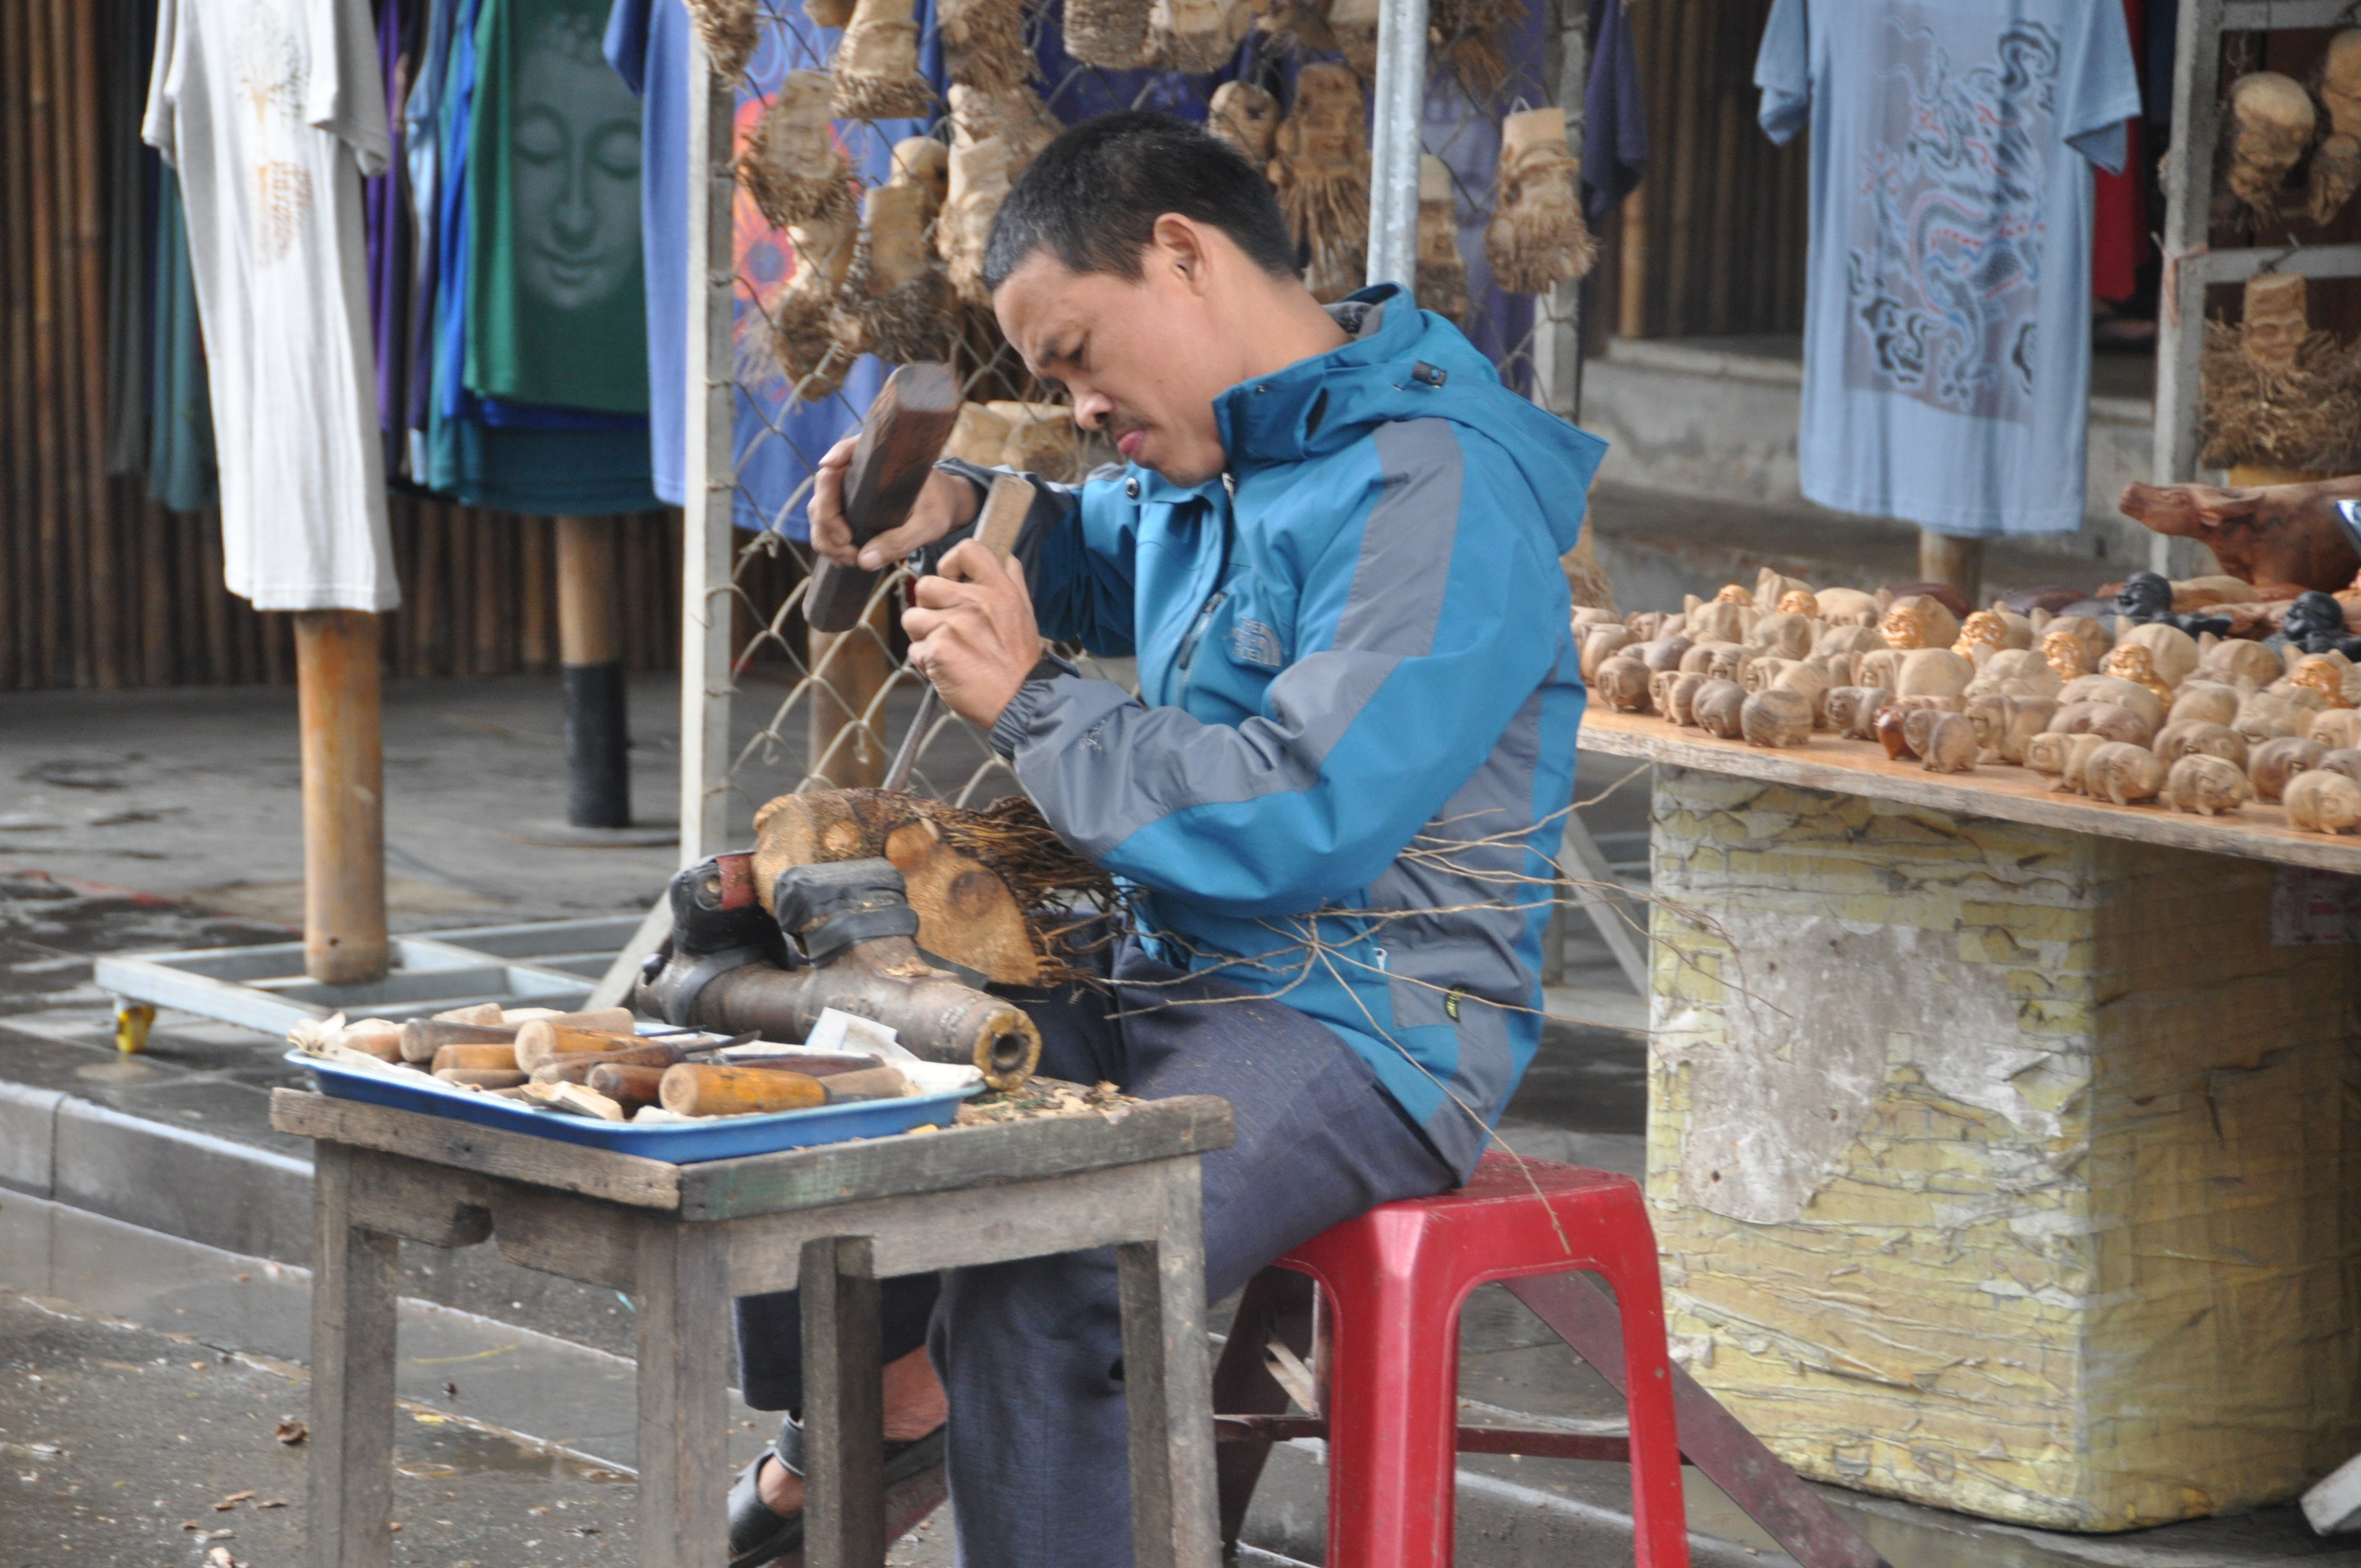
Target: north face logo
x=1252, y=643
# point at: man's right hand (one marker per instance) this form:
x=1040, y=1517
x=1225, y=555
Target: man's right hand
x=945, y=503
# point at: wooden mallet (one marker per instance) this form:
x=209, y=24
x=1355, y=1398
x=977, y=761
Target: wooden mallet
x=907, y=425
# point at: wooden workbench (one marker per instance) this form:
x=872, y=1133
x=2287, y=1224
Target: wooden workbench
x=683, y=1241
x=2255, y=832
x=2005, y=1146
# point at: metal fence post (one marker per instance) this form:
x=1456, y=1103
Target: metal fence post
x=1394, y=142
x=708, y=483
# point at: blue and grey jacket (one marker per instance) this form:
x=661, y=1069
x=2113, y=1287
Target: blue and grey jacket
x=1355, y=741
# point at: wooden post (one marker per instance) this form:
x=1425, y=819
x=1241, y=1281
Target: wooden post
x=849, y=669
x=1947, y=558
x=343, y=795
x=844, y=1404
x=590, y=657
x=683, y=1306
x=1631, y=267
x=1168, y=1383
x=350, y=1474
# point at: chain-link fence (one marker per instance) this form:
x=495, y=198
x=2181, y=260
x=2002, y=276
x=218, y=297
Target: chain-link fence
x=811, y=710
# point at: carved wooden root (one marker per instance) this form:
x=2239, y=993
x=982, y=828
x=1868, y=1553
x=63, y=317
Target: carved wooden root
x=982, y=882
x=2270, y=536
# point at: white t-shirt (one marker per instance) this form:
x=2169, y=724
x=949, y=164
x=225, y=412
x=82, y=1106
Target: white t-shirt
x=272, y=111
x=1947, y=325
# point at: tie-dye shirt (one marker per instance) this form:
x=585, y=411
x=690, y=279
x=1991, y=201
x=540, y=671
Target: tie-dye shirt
x=1947, y=336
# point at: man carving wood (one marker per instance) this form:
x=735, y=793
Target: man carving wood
x=1333, y=549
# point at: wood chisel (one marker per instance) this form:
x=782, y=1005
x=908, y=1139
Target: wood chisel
x=996, y=528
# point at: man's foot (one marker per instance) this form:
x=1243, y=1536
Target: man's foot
x=766, y=1502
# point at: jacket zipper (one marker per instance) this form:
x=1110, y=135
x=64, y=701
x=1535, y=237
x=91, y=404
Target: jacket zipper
x=1197, y=631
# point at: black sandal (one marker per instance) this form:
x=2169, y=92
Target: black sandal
x=758, y=1536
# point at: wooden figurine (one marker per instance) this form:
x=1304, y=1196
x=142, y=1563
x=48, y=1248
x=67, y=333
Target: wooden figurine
x=2182, y=736
x=1321, y=171
x=803, y=340
x=2270, y=536
x=2275, y=762
x=2275, y=393
x=1441, y=271
x=1775, y=717
x=877, y=64
x=1109, y=33
x=1246, y=116
x=2323, y=801
x=2337, y=161
x=895, y=287
x=983, y=43
x=1197, y=36
x=978, y=184
x=730, y=30
x=792, y=168
x=2123, y=772
x=1015, y=114
x=1919, y=621
x=2270, y=123
x=1537, y=238
x=2208, y=786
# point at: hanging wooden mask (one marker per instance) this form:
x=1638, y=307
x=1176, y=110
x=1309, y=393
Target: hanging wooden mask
x=895, y=287
x=1442, y=273
x=1109, y=33
x=1246, y=116
x=2274, y=392
x=925, y=164
x=1015, y=114
x=1537, y=238
x=1322, y=174
x=2271, y=120
x=804, y=339
x=877, y=64
x=1354, y=25
x=983, y=42
x=979, y=183
x=792, y=166
x=2337, y=161
x=730, y=30
x=1197, y=36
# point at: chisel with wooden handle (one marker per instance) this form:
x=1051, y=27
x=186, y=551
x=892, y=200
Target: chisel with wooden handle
x=907, y=425
x=1006, y=506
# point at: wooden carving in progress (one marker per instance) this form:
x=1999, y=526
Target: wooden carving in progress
x=988, y=886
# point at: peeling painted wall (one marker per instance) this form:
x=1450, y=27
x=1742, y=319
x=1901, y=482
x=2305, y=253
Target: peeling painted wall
x=2006, y=1170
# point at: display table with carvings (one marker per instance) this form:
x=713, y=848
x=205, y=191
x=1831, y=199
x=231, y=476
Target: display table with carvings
x=2005, y=1146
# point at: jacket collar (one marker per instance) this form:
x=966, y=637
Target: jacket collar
x=1271, y=419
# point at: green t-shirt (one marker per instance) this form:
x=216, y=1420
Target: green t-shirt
x=555, y=281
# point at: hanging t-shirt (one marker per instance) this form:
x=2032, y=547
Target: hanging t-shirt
x=776, y=441
x=1947, y=332
x=181, y=471
x=558, y=310
x=272, y=111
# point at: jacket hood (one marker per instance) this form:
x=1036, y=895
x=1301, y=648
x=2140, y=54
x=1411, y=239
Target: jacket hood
x=1403, y=364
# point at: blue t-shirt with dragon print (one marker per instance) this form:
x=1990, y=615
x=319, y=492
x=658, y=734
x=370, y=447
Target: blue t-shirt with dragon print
x=1947, y=338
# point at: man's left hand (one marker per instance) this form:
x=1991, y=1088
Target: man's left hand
x=972, y=632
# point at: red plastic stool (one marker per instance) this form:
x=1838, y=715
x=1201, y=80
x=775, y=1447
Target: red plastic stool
x=1393, y=1282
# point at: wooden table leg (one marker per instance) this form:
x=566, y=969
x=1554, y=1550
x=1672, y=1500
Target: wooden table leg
x=1168, y=1383
x=350, y=1480
x=844, y=1405
x=684, y=1321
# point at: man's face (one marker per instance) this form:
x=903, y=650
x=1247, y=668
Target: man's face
x=1143, y=359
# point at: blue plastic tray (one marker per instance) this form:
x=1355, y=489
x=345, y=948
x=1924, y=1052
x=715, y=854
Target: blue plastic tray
x=724, y=1137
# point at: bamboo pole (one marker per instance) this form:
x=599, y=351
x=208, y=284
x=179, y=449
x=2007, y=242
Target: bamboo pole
x=339, y=705
x=590, y=656
x=534, y=578
x=222, y=666
x=104, y=596
x=75, y=513
x=47, y=380
x=18, y=650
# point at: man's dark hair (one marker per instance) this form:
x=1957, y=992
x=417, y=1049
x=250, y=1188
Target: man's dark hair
x=1093, y=198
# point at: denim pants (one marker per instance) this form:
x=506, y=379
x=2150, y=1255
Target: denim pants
x=1030, y=1353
